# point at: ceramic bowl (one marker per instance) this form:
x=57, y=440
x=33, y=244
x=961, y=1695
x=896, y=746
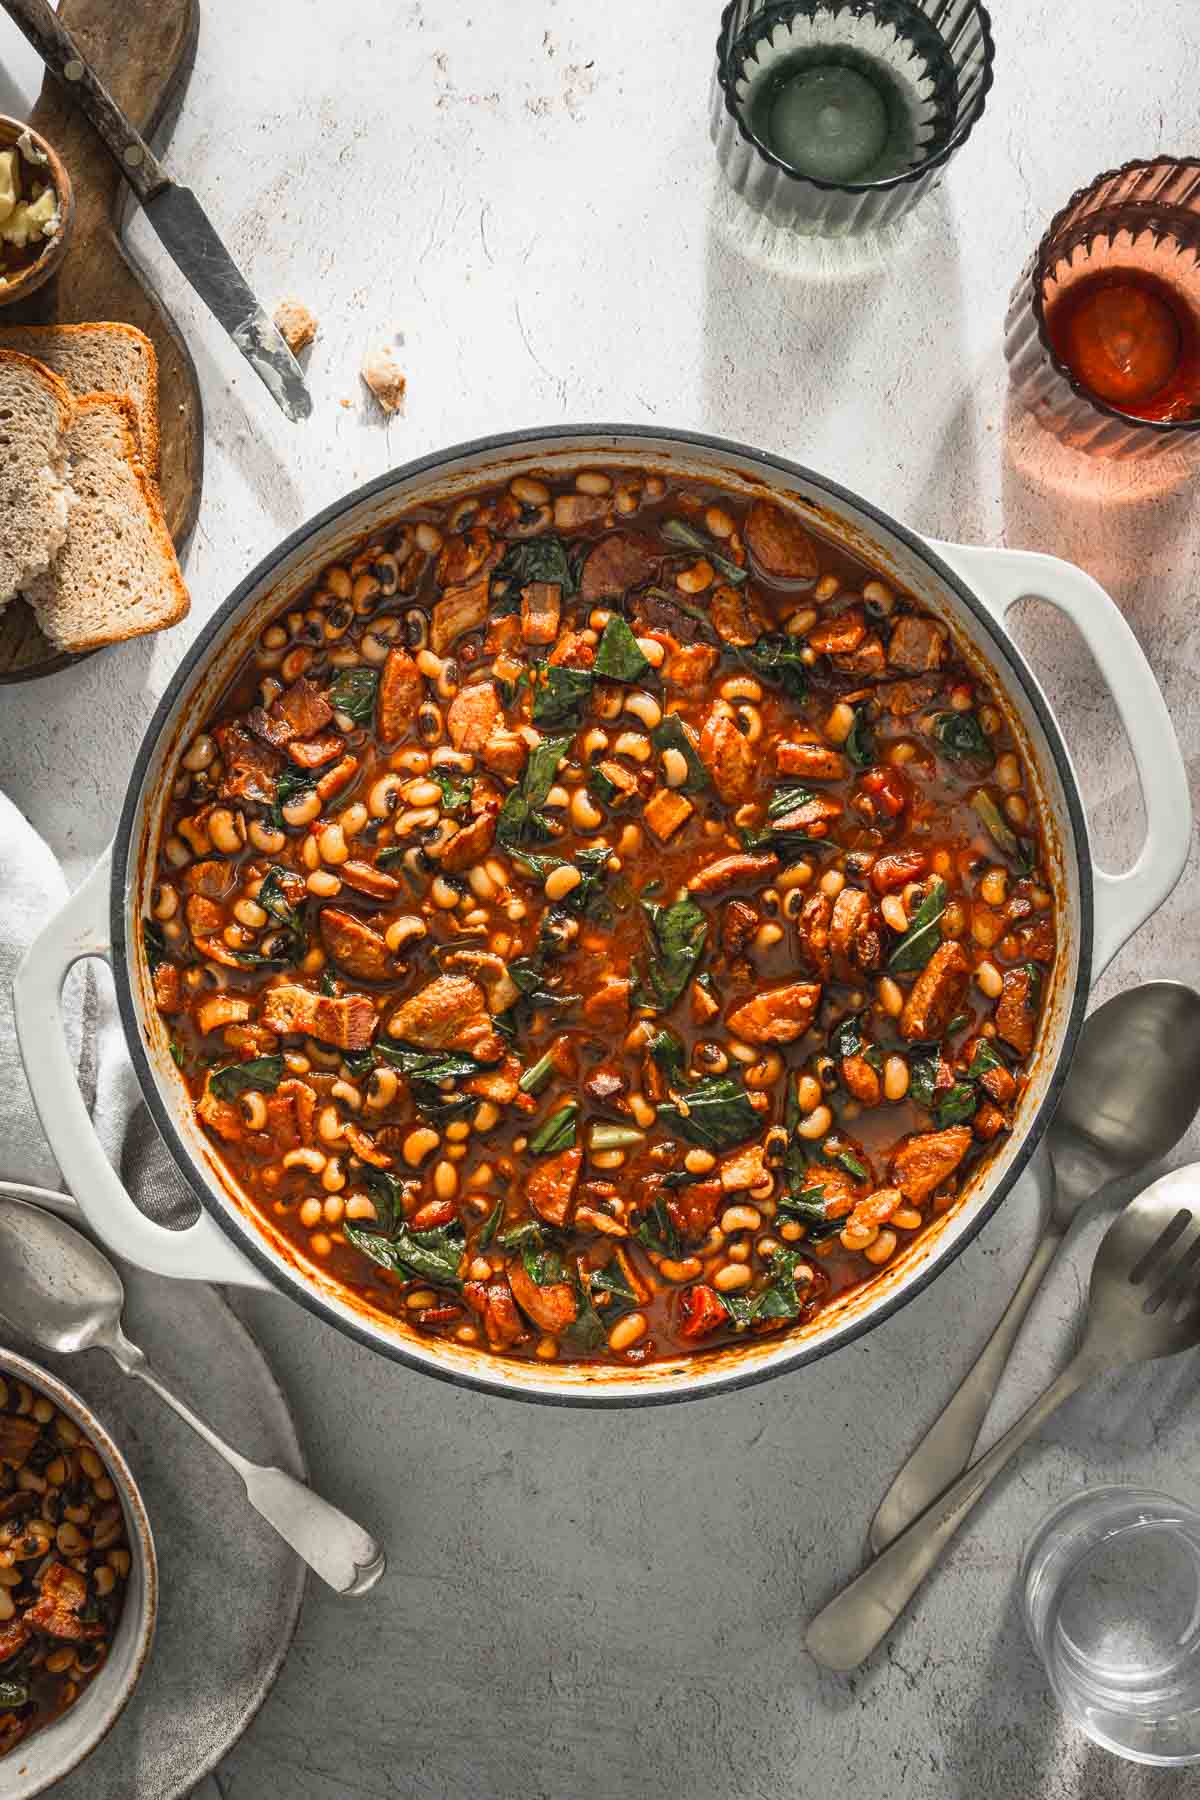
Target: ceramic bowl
x=49, y=1754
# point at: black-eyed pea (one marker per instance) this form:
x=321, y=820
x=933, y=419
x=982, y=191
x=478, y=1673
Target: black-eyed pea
x=895, y=1078
x=815, y=1124
x=684, y=1269
x=303, y=809
x=990, y=980
x=227, y=830
x=731, y=1276
x=419, y=1144
x=626, y=1332
x=164, y=901
x=882, y=1248
x=253, y=1108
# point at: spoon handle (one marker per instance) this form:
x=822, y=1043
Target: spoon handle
x=333, y=1546
x=860, y=1617
x=946, y=1447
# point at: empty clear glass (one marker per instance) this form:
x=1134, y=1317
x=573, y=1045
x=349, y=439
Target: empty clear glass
x=1112, y=1602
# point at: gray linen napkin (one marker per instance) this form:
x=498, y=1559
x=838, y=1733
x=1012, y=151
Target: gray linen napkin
x=32, y=889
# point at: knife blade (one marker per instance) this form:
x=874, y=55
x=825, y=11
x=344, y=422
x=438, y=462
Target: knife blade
x=182, y=225
x=187, y=235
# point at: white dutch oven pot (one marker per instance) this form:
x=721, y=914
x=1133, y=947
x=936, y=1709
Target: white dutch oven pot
x=971, y=589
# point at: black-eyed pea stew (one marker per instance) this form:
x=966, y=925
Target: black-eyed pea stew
x=64, y=1562
x=603, y=919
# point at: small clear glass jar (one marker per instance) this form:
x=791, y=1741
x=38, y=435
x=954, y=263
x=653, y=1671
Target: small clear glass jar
x=1111, y=1581
x=930, y=62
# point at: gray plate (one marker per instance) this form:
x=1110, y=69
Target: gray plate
x=230, y=1590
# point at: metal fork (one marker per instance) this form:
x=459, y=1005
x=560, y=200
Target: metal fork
x=1144, y=1302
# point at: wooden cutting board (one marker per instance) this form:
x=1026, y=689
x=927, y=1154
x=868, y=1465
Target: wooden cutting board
x=142, y=50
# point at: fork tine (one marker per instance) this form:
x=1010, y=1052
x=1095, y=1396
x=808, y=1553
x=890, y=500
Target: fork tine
x=1165, y=1240
x=1175, y=1280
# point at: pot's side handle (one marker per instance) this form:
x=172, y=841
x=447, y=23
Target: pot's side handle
x=201, y=1252
x=1123, y=902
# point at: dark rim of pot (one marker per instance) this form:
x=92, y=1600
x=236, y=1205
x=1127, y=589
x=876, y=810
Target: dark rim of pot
x=248, y=1240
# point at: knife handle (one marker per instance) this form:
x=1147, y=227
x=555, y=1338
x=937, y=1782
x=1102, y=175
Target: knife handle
x=62, y=56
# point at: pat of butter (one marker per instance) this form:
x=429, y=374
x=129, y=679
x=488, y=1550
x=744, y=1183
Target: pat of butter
x=31, y=219
x=9, y=188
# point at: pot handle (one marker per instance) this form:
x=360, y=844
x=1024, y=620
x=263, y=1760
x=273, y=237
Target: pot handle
x=999, y=578
x=202, y=1252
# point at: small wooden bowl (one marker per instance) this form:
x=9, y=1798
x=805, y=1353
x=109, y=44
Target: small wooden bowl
x=23, y=283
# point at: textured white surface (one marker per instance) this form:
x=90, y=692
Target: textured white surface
x=522, y=198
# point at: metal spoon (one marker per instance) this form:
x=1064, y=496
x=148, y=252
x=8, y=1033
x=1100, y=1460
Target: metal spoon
x=64, y=1294
x=1133, y=1090
x=1144, y=1302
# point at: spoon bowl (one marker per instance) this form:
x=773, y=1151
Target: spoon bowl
x=62, y=1292
x=1133, y=1090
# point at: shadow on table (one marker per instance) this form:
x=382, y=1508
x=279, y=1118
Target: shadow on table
x=788, y=321
x=1124, y=524
x=1002, y=1737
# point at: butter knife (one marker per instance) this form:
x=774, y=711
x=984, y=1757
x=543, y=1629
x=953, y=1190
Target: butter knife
x=175, y=213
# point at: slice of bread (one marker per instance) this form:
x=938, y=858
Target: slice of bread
x=36, y=410
x=116, y=576
x=99, y=359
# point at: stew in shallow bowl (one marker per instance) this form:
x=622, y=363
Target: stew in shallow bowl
x=608, y=913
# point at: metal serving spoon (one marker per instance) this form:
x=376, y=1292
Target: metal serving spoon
x=62, y=1292
x=1133, y=1090
x=1144, y=1302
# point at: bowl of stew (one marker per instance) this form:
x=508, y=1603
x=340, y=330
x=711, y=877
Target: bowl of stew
x=603, y=915
x=78, y=1580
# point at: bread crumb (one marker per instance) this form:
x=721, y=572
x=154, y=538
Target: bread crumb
x=295, y=325
x=383, y=375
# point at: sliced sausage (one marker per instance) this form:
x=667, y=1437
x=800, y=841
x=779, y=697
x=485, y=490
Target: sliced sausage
x=1016, y=1011
x=916, y=644
x=729, y=758
x=468, y=845
x=854, y=935
x=303, y=707
x=923, y=1162
x=811, y=758
x=619, y=562
x=551, y=1186
x=348, y=1022
x=494, y=1303
x=314, y=752
x=730, y=872
x=779, y=543
x=690, y=666
x=541, y=609
x=448, y=1014
x=936, y=994
x=840, y=634
x=778, y=1015
x=250, y=767
x=401, y=691
x=738, y=615
x=551, y=1308
x=354, y=946
x=460, y=609
x=608, y=1007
